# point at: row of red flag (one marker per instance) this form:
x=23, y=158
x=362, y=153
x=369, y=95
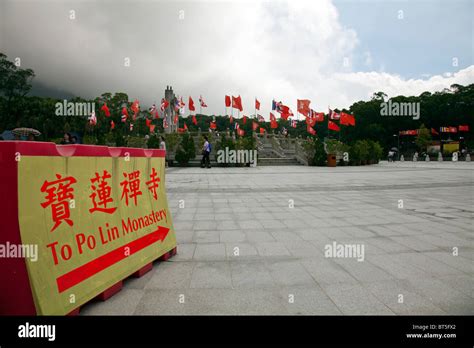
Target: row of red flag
x=460, y=128
x=303, y=107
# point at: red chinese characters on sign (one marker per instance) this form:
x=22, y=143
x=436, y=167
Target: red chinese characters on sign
x=101, y=195
x=131, y=186
x=153, y=183
x=59, y=192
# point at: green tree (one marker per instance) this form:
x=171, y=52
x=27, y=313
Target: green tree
x=423, y=138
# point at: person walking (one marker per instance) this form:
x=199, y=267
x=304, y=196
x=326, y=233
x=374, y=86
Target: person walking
x=162, y=143
x=206, y=150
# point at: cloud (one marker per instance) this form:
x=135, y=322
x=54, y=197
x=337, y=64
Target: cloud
x=283, y=49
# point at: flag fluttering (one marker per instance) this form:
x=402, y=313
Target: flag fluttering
x=254, y=125
x=244, y=119
x=201, y=101
x=106, y=110
x=310, y=130
x=273, y=121
x=154, y=112
x=112, y=125
x=227, y=101
x=347, y=119
x=191, y=106
x=237, y=103
x=124, y=111
x=135, y=108
x=333, y=126
x=195, y=122
x=333, y=115
x=257, y=104
x=164, y=104
x=303, y=106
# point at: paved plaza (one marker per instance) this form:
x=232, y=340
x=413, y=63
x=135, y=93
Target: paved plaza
x=252, y=241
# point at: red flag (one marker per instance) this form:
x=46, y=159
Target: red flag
x=148, y=122
x=311, y=121
x=213, y=125
x=135, y=106
x=273, y=124
x=124, y=111
x=254, y=125
x=303, y=106
x=333, y=126
x=408, y=132
x=347, y=120
x=310, y=130
x=463, y=128
x=185, y=127
x=164, y=104
x=272, y=117
x=244, y=119
x=112, y=125
x=195, y=120
x=152, y=128
x=240, y=132
x=257, y=104
x=237, y=103
x=434, y=132
x=227, y=101
x=191, y=104
x=285, y=112
x=318, y=116
x=203, y=104
x=262, y=130
x=106, y=110
x=333, y=115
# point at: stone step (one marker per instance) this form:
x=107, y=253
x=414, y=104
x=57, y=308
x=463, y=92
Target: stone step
x=275, y=161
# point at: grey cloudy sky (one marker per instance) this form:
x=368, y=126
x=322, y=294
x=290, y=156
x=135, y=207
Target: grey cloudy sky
x=332, y=52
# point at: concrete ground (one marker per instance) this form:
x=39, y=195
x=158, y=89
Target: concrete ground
x=245, y=249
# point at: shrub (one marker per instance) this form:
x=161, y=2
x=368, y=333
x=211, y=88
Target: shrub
x=186, y=150
x=315, y=153
x=136, y=142
x=376, y=151
x=359, y=152
x=153, y=142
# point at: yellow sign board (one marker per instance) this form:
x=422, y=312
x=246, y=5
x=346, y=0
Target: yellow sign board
x=95, y=220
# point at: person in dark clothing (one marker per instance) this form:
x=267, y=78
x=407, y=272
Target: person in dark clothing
x=206, y=150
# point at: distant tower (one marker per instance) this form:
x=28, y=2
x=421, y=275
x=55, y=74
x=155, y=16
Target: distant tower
x=169, y=111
